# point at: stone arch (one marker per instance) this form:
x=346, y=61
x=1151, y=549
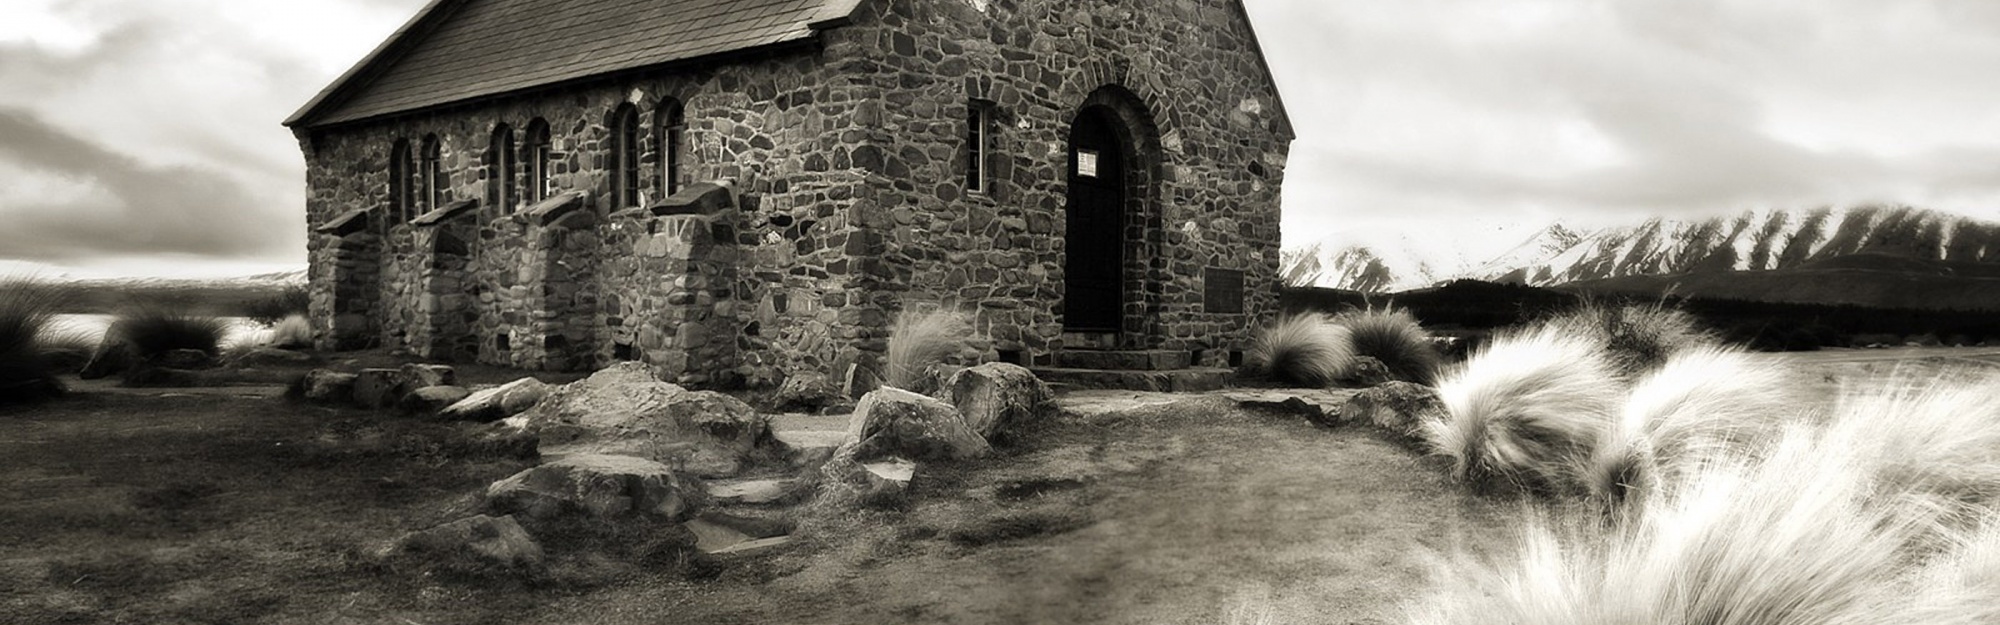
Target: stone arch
x=1137, y=132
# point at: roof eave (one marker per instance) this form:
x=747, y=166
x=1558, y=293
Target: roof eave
x=325, y=96
x=1284, y=118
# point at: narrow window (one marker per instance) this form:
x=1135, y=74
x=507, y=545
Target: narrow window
x=625, y=155
x=536, y=154
x=979, y=122
x=432, y=174
x=670, y=125
x=400, y=173
x=500, y=157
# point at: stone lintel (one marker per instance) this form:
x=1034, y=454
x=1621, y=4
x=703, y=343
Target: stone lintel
x=449, y=212
x=347, y=223
x=705, y=198
x=554, y=208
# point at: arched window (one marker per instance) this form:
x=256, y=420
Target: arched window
x=535, y=155
x=669, y=125
x=500, y=179
x=625, y=155
x=401, y=192
x=432, y=174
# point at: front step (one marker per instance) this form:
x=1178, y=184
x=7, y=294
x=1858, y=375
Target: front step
x=1170, y=381
x=1127, y=360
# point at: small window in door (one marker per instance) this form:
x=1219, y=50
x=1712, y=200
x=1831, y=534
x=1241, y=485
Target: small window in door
x=1086, y=163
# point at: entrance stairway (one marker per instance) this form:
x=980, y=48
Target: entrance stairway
x=1089, y=363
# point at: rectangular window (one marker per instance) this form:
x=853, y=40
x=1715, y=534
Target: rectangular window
x=1086, y=163
x=539, y=175
x=978, y=122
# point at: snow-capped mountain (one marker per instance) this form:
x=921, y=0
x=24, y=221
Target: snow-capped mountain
x=1750, y=241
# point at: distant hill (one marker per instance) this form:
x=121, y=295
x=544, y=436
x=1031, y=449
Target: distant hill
x=1878, y=280
x=207, y=296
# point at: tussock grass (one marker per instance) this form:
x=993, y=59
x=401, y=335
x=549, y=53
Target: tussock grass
x=1640, y=338
x=1797, y=536
x=1527, y=410
x=919, y=341
x=1307, y=350
x=293, y=332
x=1937, y=439
x=1394, y=337
x=152, y=331
x=1702, y=401
x=26, y=308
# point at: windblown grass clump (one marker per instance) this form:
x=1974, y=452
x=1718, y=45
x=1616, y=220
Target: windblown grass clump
x=1393, y=337
x=1701, y=402
x=26, y=308
x=1640, y=338
x=1938, y=440
x=1527, y=411
x=293, y=332
x=920, y=341
x=152, y=331
x=1307, y=350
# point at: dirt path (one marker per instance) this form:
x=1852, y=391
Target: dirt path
x=1179, y=511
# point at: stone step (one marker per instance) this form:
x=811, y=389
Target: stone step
x=809, y=448
x=1171, y=381
x=1123, y=360
x=722, y=534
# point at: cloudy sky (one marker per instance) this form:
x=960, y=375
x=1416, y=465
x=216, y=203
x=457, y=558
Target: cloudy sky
x=141, y=136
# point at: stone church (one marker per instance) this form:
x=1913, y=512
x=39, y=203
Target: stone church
x=742, y=190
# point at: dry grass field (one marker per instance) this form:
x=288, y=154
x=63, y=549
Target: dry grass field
x=230, y=506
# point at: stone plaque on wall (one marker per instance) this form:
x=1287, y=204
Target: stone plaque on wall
x=1222, y=290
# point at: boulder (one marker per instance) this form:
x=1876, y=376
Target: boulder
x=1398, y=407
x=998, y=397
x=323, y=386
x=416, y=376
x=497, y=403
x=603, y=487
x=183, y=359
x=379, y=388
x=893, y=422
x=626, y=409
x=847, y=480
x=431, y=399
x=1366, y=372
x=807, y=392
x=113, y=356
x=756, y=492
x=475, y=544
x=270, y=357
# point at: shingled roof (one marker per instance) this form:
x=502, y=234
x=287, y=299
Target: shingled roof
x=458, y=50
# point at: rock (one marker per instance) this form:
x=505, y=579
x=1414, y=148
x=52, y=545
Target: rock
x=1366, y=372
x=893, y=422
x=847, y=480
x=807, y=392
x=751, y=491
x=1321, y=407
x=322, y=386
x=603, y=487
x=431, y=399
x=379, y=388
x=809, y=449
x=184, y=359
x=998, y=397
x=270, y=357
x=500, y=439
x=626, y=410
x=1399, y=407
x=474, y=544
x=416, y=376
x=113, y=357
x=497, y=403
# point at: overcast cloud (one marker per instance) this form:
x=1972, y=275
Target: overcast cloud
x=133, y=131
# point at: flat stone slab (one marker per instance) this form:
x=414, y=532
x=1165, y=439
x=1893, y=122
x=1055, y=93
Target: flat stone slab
x=1091, y=403
x=753, y=546
x=1320, y=406
x=713, y=537
x=751, y=491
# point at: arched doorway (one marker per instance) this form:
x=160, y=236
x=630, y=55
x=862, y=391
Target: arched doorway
x=1094, y=243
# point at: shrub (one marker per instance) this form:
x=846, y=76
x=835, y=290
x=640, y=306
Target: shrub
x=151, y=331
x=1796, y=536
x=26, y=308
x=1640, y=337
x=1308, y=350
x=293, y=299
x=1527, y=410
x=1394, y=337
x=1701, y=402
x=920, y=341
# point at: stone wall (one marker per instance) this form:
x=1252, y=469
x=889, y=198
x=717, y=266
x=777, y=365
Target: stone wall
x=845, y=169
